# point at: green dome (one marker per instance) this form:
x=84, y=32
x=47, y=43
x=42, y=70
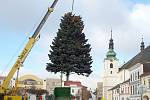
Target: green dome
x=111, y=53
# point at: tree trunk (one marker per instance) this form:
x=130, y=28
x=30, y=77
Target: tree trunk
x=61, y=76
x=67, y=76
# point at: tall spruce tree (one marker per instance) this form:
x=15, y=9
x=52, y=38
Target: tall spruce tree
x=70, y=52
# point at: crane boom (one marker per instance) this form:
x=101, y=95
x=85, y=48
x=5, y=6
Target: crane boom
x=26, y=50
x=36, y=33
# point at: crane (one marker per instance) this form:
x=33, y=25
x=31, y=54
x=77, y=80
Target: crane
x=26, y=50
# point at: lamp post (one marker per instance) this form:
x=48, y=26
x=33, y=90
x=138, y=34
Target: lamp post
x=142, y=89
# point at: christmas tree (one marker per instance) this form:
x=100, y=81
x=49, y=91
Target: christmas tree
x=70, y=52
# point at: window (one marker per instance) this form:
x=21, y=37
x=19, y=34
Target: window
x=149, y=83
x=128, y=89
x=78, y=90
x=118, y=90
x=125, y=89
x=131, y=77
x=138, y=75
x=144, y=82
x=111, y=72
x=131, y=89
x=135, y=89
x=111, y=65
x=138, y=89
x=127, y=98
x=72, y=90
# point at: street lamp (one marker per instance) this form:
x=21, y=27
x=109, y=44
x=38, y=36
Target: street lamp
x=142, y=89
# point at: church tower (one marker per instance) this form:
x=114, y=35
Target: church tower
x=110, y=78
x=142, y=45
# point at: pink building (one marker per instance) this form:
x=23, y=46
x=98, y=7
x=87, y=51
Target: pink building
x=2, y=78
x=76, y=89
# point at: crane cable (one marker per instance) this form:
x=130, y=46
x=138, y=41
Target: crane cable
x=72, y=6
x=13, y=56
x=20, y=46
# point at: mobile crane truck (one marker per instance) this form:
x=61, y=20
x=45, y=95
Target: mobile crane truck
x=22, y=57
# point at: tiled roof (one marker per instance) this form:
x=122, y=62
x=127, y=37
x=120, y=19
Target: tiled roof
x=125, y=81
x=115, y=87
x=74, y=83
x=146, y=67
x=145, y=74
x=2, y=77
x=142, y=57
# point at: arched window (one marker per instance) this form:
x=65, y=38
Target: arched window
x=111, y=65
x=111, y=72
x=131, y=77
x=131, y=90
x=138, y=75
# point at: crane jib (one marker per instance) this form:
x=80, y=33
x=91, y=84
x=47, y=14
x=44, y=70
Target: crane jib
x=54, y=3
x=38, y=29
x=25, y=51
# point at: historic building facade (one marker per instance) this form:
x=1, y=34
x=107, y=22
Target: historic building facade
x=127, y=82
x=135, y=72
x=145, y=80
x=29, y=81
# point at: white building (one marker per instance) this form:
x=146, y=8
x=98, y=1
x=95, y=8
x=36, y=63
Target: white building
x=135, y=72
x=137, y=66
x=123, y=75
x=145, y=78
x=115, y=92
x=125, y=90
x=110, y=78
x=51, y=83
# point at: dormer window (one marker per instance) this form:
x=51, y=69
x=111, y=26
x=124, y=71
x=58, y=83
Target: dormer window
x=111, y=65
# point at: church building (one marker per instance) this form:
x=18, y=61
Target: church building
x=110, y=78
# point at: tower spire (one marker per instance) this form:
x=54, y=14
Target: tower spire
x=111, y=43
x=111, y=33
x=142, y=44
x=111, y=53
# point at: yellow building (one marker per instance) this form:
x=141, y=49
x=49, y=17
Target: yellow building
x=29, y=81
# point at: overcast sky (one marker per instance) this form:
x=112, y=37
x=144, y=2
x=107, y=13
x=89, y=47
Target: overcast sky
x=129, y=20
